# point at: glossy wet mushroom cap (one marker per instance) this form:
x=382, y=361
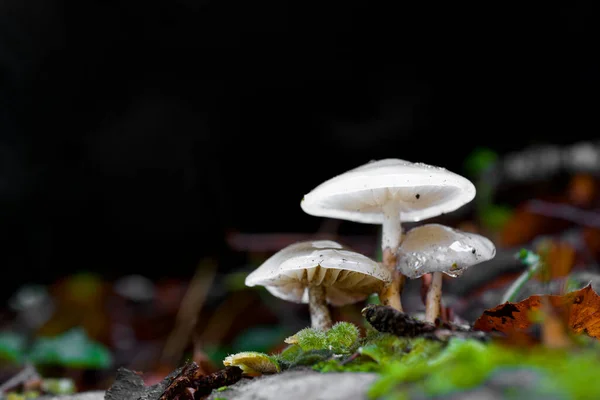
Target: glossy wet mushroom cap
x=421, y=191
x=438, y=248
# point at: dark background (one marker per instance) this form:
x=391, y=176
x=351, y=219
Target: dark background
x=133, y=135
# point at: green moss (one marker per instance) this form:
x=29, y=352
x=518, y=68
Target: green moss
x=342, y=338
x=466, y=364
x=384, y=347
x=342, y=349
x=290, y=353
x=361, y=364
x=311, y=357
x=58, y=386
x=30, y=394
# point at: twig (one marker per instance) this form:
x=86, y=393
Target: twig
x=191, y=379
x=26, y=374
x=188, y=312
x=566, y=212
x=223, y=317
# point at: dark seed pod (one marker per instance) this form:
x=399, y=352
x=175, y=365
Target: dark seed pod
x=386, y=319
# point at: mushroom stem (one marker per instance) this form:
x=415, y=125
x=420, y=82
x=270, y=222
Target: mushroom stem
x=320, y=318
x=392, y=227
x=390, y=242
x=390, y=293
x=434, y=298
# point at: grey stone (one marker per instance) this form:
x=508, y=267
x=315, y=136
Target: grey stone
x=303, y=384
x=97, y=395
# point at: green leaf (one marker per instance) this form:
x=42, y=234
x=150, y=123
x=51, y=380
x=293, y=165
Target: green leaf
x=12, y=347
x=479, y=160
x=528, y=257
x=494, y=217
x=72, y=349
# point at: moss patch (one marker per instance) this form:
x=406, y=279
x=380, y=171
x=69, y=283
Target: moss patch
x=418, y=365
x=466, y=364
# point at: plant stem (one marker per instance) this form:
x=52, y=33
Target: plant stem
x=515, y=288
x=320, y=318
x=391, y=236
x=434, y=298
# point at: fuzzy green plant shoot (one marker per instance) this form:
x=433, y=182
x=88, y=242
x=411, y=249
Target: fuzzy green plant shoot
x=342, y=338
x=533, y=263
x=308, y=339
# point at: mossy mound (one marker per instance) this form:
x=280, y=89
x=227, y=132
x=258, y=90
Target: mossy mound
x=418, y=365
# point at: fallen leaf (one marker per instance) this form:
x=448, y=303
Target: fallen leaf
x=579, y=310
x=554, y=331
x=582, y=190
x=591, y=238
x=523, y=226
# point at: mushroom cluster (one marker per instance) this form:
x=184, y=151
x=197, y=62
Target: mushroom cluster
x=386, y=192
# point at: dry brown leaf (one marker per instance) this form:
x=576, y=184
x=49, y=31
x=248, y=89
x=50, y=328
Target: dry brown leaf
x=579, y=310
x=591, y=238
x=582, y=190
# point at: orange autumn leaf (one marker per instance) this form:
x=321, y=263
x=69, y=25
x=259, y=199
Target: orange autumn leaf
x=582, y=190
x=580, y=311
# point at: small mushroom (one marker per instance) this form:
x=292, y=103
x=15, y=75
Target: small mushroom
x=438, y=249
x=317, y=272
x=388, y=192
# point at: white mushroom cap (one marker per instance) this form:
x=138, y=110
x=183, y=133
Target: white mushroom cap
x=347, y=276
x=438, y=248
x=422, y=191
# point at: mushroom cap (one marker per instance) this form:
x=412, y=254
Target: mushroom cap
x=420, y=190
x=347, y=276
x=438, y=248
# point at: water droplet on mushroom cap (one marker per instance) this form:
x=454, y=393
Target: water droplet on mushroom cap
x=438, y=248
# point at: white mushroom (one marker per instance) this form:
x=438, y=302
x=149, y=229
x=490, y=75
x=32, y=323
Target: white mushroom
x=438, y=249
x=316, y=272
x=388, y=192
